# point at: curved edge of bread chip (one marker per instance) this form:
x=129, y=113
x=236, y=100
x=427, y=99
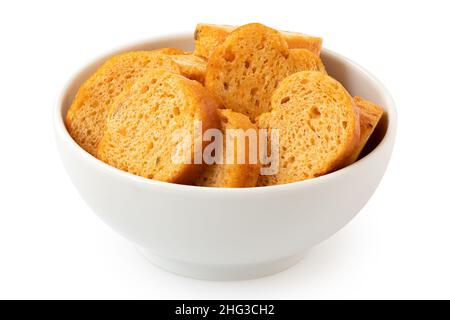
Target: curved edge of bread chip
x=370, y=114
x=248, y=66
x=237, y=75
x=86, y=117
x=171, y=51
x=209, y=36
x=283, y=104
x=203, y=109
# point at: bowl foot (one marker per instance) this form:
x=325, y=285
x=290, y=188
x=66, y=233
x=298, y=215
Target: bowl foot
x=221, y=272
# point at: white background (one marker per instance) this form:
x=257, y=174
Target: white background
x=53, y=246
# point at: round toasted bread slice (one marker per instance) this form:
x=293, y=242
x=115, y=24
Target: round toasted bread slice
x=151, y=120
x=244, y=71
x=235, y=174
x=317, y=123
x=209, y=36
x=86, y=117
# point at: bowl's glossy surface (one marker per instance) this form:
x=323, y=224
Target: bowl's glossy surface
x=214, y=233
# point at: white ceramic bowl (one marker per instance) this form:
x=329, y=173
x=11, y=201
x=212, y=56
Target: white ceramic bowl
x=215, y=233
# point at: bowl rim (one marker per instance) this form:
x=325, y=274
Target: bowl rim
x=61, y=130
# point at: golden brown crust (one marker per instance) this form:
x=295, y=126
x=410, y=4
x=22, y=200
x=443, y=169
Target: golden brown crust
x=297, y=40
x=86, y=117
x=246, y=68
x=171, y=51
x=370, y=114
x=139, y=136
x=209, y=36
x=233, y=175
x=192, y=67
x=304, y=59
x=318, y=127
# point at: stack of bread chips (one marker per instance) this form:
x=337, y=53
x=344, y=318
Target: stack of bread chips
x=252, y=77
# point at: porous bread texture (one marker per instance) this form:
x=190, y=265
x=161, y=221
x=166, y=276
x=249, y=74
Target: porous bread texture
x=244, y=70
x=369, y=115
x=148, y=123
x=209, y=36
x=191, y=66
x=86, y=117
x=318, y=127
x=233, y=175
